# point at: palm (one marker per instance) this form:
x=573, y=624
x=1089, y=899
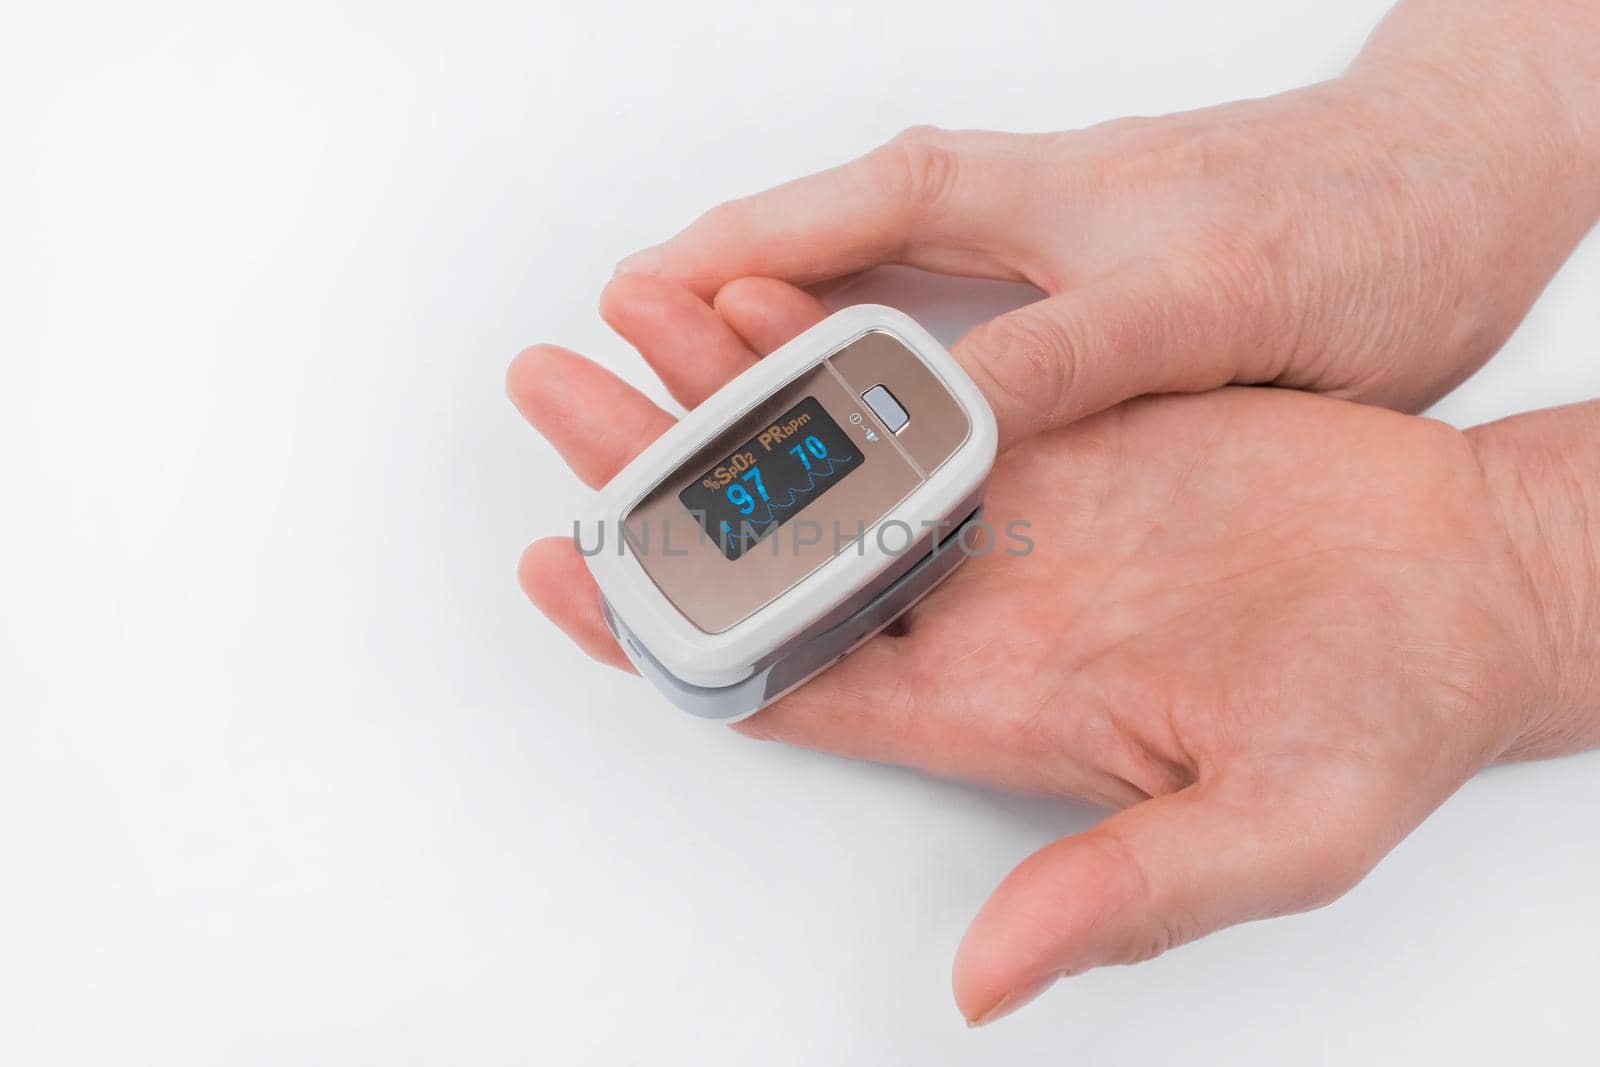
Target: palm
x=1246, y=576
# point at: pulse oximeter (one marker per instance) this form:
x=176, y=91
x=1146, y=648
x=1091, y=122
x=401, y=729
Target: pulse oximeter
x=794, y=514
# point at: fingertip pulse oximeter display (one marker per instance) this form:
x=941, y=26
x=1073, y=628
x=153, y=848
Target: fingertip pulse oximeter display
x=771, y=478
x=793, y=514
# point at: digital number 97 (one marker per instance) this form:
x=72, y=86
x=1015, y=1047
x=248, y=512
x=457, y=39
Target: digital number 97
x=740, y=497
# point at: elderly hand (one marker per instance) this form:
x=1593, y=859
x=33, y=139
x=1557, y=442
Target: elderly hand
x=1376, y=237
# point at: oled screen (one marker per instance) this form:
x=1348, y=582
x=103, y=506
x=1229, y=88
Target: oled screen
x=771, y=478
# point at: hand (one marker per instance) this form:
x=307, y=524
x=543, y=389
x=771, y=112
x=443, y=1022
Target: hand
x=1277, y=630
x=1376, y=237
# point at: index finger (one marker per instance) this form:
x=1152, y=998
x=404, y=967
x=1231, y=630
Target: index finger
x=916, y=201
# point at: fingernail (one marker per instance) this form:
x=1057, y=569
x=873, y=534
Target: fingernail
x=645, y=261
x=1017, y=998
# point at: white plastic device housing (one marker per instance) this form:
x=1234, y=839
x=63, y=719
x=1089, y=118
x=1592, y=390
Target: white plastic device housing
x=726, y=658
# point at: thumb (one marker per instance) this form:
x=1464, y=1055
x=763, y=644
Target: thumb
x=1088, y=349
x=1161, y=873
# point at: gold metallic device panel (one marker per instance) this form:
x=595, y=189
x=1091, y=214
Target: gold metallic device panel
x=715, y=592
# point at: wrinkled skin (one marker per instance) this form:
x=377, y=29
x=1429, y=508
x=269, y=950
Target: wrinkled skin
x=1276, y=630
x=1375, y=238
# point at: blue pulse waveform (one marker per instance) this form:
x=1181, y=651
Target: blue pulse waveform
x=811, y=483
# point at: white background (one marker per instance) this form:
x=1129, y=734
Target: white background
x=291, y=773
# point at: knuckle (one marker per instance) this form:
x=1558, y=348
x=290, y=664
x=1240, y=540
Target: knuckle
x=914, y=175
x=1185, y=150
x=922, y=133
x=729, y=220
x=1204, y=153
x=1154, y=927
